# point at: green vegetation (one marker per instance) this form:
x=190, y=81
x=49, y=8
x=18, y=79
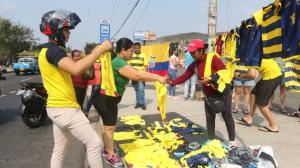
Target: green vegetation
x=15, y=38
x=89, y=47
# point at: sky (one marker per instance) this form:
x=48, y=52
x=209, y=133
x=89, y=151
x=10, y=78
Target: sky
x=165, y=17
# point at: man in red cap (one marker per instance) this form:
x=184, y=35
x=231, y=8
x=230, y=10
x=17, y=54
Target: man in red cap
x=197, y=50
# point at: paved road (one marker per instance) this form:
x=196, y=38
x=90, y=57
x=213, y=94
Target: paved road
x=24, y=147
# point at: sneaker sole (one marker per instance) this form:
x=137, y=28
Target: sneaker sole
x=114, y=165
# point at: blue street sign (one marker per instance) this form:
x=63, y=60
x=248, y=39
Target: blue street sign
x=104, y=32
x=138, y=36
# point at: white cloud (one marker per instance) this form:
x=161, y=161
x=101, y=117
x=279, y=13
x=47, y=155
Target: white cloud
x=7, y=5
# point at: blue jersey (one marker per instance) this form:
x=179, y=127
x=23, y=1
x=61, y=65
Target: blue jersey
x=254, y=50
x=249, y=47
x=242, y=41
x=290, y=28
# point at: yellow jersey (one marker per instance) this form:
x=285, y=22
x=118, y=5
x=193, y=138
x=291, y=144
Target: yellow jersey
x=269, y=69
x=57, y=82
x=139, y=61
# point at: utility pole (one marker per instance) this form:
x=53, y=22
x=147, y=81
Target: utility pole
x=212, y=22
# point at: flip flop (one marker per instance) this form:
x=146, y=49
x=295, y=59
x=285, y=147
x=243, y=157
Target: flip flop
x=235, y=111
x=267, y=129
x=246, y=111
x=294, y=114
x=244, y=122
x=282, y=111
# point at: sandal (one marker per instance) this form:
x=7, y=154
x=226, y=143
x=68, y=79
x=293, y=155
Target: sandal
x=294, y=114
x=235, y=110
x=282, y=111
x=267, y=129
x=244, y=122
x=246, y=111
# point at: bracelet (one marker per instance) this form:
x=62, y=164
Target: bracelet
x=100, y=46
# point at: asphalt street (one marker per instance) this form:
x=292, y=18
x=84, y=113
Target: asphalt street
x=22, y=146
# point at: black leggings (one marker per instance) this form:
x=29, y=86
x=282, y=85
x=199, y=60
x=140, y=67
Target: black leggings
x=80, y=95
x=227, y=116
x=107, y=107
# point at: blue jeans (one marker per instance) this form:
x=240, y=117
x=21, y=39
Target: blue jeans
x=192, y=81
x=172, y=75
x=139, y=92
x=89, y=104
x=241, y=83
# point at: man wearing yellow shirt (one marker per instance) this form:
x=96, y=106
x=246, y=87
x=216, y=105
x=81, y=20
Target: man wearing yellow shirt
x=139, y=61
x=56, y=70
x=262, y=92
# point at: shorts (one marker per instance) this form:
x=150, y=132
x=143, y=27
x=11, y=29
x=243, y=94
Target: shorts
x=249, y=83
x=264, y=90
x=107, y=107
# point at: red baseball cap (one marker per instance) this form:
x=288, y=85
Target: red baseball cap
x=195, y=44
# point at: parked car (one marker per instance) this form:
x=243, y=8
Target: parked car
x=3, y=69
x=27, y=65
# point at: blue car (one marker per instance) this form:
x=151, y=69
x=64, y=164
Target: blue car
x=26, y=65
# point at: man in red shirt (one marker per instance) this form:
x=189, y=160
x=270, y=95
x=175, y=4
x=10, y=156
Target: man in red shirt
x=197, y=50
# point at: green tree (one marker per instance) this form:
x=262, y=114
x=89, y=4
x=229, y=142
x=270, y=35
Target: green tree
x=89, y=47
x=14, y=38
x=68, y=49
x=36, y=47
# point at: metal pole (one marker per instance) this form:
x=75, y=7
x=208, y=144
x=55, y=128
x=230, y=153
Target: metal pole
x=212, y=23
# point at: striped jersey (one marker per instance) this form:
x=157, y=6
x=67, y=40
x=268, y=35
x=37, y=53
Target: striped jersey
x=271, y=31
x=139, y=61
x=292, y=75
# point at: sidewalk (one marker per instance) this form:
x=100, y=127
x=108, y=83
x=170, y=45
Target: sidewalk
x=283, y=143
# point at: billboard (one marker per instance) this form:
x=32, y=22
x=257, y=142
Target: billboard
x=104, y=32
x=149, y=35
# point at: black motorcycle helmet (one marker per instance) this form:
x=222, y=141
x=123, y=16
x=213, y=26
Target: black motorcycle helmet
x=54, y=21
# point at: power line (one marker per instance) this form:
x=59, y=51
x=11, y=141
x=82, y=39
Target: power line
x=128, y=9
x=141, y=16
x=135, y=5
x=123, y=14
x=114, y=9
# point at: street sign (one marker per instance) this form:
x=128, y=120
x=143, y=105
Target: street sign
x=138, y=36
x=104, y=32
